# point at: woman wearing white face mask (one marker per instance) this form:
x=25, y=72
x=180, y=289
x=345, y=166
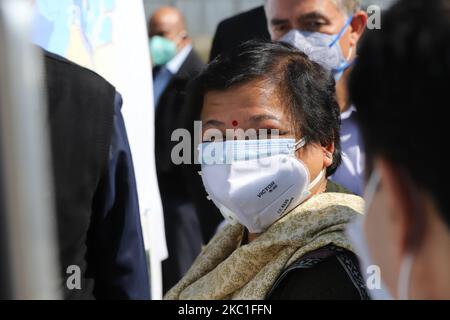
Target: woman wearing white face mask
x=285, y=239
x=398, y=86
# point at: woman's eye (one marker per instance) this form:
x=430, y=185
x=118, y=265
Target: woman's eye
x=271, y=133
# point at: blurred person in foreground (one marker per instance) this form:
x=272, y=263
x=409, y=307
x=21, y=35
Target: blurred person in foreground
x=175, y=64
x=286, y=235
x=97, y=210
x=399, y=85
x=328, y=31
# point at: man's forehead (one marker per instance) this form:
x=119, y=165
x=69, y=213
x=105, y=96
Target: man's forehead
x=281, y=9
x=163, y=25
x=165, y=20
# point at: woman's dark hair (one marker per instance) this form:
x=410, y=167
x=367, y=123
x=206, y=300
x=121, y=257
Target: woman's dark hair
x=303, y=87
x=400, y=86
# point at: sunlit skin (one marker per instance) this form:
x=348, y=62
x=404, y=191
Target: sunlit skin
x=168, y=22
x=318, y=16
x=388, y=226
x=255, y=106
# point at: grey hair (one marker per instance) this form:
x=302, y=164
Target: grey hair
x=348, y=6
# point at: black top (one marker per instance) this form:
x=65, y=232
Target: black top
x=329, y=273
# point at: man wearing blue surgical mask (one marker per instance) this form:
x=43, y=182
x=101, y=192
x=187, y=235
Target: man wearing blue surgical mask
x=175, y=65
x=328, y=31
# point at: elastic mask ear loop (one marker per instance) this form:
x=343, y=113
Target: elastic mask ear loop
x=316, y=180
x=300, y=144
x=339, y=35
x=371, y=189
x=347, y=64
x=405, y=277
x=350, y=52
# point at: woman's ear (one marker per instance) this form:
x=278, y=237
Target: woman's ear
x=328, y=153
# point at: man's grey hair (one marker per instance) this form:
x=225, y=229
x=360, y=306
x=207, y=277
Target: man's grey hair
x=348, y=6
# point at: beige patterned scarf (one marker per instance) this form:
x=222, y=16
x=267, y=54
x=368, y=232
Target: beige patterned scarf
x=226, y=270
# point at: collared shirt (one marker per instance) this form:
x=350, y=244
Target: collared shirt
x=350, y=174
x=163, y=75
x=175, y=64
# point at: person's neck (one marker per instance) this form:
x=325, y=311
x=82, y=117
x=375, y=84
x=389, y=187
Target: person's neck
x=342, y=95
x=252, y=236
x=430, y=275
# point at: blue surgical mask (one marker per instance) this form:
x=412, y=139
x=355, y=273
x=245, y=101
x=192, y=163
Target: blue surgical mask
x=322, y=48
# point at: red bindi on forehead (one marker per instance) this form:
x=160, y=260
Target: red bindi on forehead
x=235, y=123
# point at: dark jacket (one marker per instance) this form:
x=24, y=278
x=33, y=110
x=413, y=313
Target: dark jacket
x=98, y=220
x=231, y=32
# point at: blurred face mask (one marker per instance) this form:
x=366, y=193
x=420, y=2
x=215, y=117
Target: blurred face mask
x=356, y=234
x=322, y=48
x=162, y=50
x=255, y=182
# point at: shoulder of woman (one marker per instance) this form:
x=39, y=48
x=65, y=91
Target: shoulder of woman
x=325, y=274
x=331, y=200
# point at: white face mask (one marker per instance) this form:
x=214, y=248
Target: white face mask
x=356, y=234
x=255, y=182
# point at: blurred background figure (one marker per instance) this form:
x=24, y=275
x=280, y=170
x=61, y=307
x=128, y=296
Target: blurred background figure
x=175, y=64
x=405, y=128
x=97, y=207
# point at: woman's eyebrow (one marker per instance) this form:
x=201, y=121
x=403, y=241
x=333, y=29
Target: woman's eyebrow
x=263, y=117
x=213, y=122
